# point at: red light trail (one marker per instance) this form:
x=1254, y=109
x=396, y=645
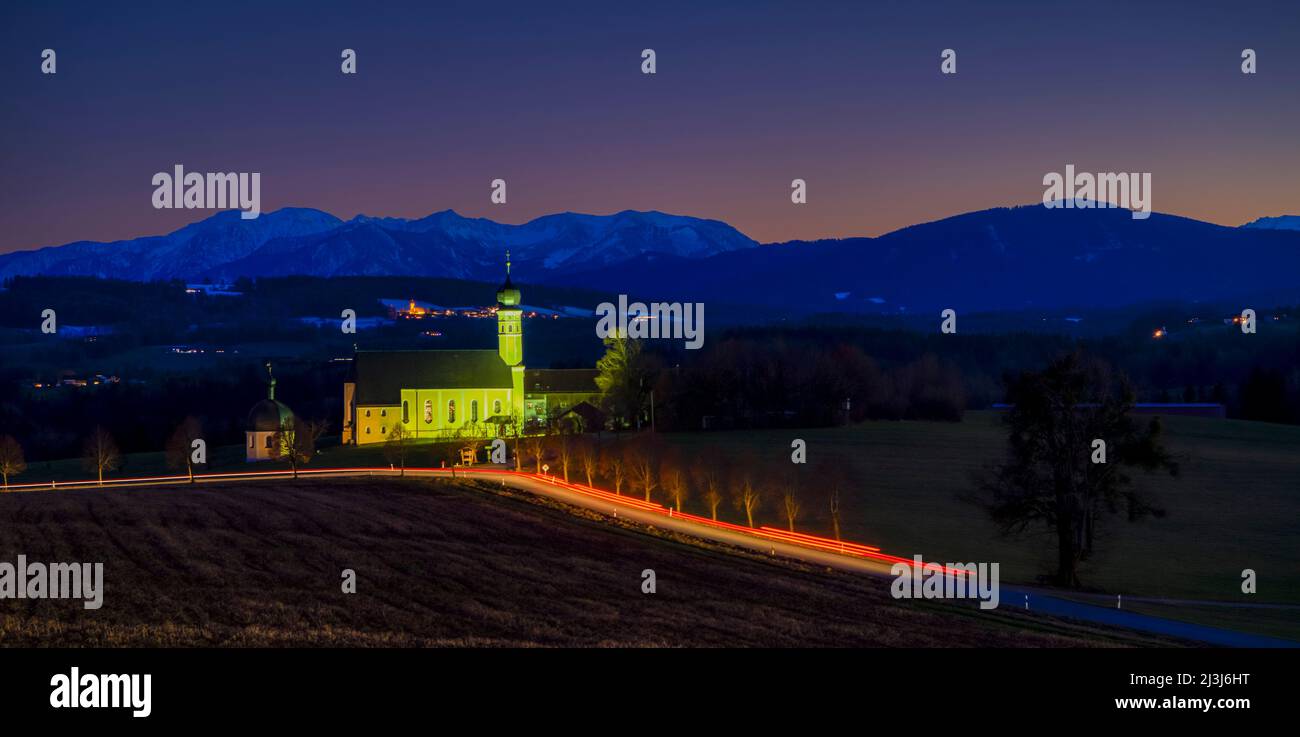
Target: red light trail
x=845, y=548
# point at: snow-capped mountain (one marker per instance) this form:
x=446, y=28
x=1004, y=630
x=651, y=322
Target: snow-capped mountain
x=311, y=242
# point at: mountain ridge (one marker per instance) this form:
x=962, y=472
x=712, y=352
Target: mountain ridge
x=1005, y=257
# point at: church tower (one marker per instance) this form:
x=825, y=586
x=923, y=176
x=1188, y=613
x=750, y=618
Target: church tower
x=510, y=341
x=510, y=336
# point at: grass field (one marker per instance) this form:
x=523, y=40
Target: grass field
x=1235, y=504
x=442, y=563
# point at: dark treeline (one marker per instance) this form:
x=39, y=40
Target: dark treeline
x=53, y=424
x=802, y=376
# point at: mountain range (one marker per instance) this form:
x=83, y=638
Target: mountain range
x=1001, y=258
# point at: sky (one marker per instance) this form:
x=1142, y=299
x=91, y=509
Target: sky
x=550, y=97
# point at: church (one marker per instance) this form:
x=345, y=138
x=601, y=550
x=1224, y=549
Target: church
x=442, y=394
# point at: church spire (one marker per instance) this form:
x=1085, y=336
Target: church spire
x=270, y=382
x=507, y=295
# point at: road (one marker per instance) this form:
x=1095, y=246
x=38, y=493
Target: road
x=806, y=548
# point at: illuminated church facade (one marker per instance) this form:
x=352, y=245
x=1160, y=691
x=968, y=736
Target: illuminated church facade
x=438, y=394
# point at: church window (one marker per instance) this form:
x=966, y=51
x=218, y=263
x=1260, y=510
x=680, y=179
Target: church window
x=428, y=411
x=269, y=438
x=451, y=412
x=473, y=411
x=383, y=429
x=383, y=413
x=250, y=441
x=406, y=412
x=496, y=407
x=367, y=413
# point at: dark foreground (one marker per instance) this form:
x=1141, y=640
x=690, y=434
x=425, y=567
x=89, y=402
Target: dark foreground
x=442, y=563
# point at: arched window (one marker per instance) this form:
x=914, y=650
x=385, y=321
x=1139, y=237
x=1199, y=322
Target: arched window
x=428, y=411
x=251, y=440
x=406, y=412
x=473, y=411
x=496, y=407
x=451, y=412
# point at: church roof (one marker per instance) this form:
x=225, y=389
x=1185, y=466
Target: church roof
x=561, y=381
x=382, y=375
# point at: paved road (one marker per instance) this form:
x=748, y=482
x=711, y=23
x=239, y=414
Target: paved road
x=1010, y=595
x=761, y=541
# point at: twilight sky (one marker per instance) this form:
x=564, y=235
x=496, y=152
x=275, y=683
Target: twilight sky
x=550, y=97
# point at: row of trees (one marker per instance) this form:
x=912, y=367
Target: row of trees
x=646, y=467
x=765, y=381
x=295, y=444
x=101, y=455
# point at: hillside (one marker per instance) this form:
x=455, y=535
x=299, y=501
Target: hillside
x=440, y=564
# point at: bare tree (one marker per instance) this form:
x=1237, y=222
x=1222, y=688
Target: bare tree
x=748, y=496
x=563, y=443
x=295, y=442
x=790, y=506
x=589, y=458
x=674, y=481
x=180, y=447
x=101, y=453
x=615, y=466
x=397, y=445
x=835, y=511
x=535, y=447
x=709, y=479
x=642, y=462
x=836, y=477
x=12, y=461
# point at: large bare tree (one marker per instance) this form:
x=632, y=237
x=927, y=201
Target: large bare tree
x=1062, y=419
